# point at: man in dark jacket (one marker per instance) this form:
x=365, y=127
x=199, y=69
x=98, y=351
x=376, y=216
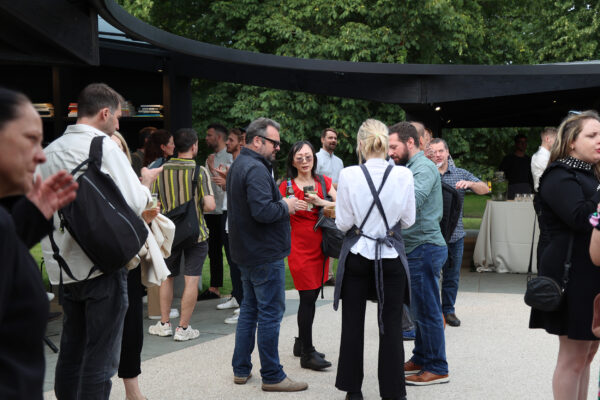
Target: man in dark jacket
x=259, y=240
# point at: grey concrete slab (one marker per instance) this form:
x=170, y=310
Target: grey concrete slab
x=493, y=355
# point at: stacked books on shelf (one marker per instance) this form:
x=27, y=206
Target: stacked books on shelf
x=72, y=110
x=44, y=109
x=150, y=110
x=127, y=109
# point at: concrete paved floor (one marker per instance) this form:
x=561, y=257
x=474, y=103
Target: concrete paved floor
x=493, y=355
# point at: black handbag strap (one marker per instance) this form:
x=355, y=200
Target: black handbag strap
x=568, y=261
x=529, y=268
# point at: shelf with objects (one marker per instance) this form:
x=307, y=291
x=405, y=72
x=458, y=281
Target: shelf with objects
x=54, y=91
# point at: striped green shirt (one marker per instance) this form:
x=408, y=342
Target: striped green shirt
x=174, y=188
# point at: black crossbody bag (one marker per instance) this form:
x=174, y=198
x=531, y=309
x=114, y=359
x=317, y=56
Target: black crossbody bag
x=543, y=292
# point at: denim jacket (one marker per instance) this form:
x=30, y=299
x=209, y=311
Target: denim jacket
x=429, y=204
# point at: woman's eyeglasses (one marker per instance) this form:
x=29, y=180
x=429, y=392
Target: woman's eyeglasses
x=301, y=159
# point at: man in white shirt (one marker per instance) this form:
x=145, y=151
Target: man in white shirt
x=220, y=160
x=330, y=165
x=94, y=306
x=539, y=161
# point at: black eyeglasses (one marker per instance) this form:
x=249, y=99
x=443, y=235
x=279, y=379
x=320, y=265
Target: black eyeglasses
x=275, y=143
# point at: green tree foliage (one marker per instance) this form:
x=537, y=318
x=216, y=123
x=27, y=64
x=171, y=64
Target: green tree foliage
x=386, y=31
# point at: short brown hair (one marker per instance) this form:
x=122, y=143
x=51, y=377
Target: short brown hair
x=405, y=130
x=324, y=133
x=96, y=96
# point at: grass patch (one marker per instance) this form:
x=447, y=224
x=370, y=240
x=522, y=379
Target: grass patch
x=474, y=205
x=36, y=253
x=471, y=223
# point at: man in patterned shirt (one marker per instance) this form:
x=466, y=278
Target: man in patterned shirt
x=174, y=188
x=461, y=180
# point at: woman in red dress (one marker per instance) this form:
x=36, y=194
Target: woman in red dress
x=308, y=264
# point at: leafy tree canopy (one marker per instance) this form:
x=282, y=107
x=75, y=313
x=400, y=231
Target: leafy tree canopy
x=387, y=31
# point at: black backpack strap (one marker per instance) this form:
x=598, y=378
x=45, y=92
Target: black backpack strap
x=96, y=151
x=195, y=179
x=62, y=264
x=375, y=193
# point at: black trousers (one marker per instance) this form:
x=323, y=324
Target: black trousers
x=358, y=283
x=216, y=228
x=133, y=329
x=237, y=290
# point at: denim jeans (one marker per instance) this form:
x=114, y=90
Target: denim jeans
x=264, y=304
x=90, y=345
x=425, y=264
x=451, y=275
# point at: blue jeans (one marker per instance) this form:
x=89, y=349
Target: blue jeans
x=425, y=264
x=451, y=275
x=264, y=304
x=90, y=345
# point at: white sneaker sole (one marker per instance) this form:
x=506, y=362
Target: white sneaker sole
x=435, y=382
x=184, y=338
x=159, y=332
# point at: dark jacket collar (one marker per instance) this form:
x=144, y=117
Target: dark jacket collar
x=253, y=154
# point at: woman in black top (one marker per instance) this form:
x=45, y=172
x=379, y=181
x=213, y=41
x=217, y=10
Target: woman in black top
x=568, y=195
x=23, y=300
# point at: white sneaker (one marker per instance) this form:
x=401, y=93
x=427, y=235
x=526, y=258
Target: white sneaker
x=182, y=335
x=50, y=296
x=174, y=313
x=231, y=303
x=233, y=319
x=237, y=311
x=161, y=330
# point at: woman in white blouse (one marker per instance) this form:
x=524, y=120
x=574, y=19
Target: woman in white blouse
x=373, y=263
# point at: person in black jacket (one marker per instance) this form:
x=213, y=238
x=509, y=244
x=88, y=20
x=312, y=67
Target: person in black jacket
x=568, y=195
x=23, y=300
x=259, y=239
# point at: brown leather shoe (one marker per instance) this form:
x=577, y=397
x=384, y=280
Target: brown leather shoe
x=410, y=368
x=425, y=378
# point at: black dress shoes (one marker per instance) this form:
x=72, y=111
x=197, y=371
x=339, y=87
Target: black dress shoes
x=314, y=361
x=298, y=348
x=452, y=320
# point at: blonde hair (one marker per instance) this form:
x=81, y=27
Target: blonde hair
x=568, y=131
x=124, y=144
x=372, y=140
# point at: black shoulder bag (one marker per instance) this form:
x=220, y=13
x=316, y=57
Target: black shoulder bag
x=332, y=236
x=185, y=218
x=543, y=292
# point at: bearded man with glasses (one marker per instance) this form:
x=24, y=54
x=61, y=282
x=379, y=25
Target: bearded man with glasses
x=259, y=239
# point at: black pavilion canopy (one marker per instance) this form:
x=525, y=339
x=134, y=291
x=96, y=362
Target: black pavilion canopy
x=446, y=96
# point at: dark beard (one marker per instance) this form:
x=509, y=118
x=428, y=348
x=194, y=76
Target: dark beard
x=402, y=161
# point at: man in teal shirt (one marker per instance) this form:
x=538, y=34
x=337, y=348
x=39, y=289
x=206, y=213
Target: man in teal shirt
x=426, y=252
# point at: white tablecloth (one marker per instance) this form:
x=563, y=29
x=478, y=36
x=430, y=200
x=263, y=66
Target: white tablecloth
x=504, y=240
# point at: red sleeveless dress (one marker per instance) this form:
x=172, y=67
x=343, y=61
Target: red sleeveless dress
x=306, y=257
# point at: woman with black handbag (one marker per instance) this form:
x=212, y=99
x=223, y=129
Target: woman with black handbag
x=568, y=194
x=307, y=262
x=372, y=262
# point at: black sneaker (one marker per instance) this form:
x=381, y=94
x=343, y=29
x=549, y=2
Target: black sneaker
x=208, y=295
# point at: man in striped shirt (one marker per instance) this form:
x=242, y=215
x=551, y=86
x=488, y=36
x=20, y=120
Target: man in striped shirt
x=174, y=188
